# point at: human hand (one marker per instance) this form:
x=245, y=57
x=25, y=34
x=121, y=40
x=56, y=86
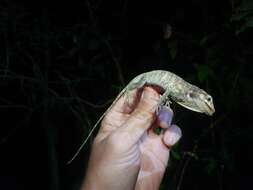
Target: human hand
x=127, y=154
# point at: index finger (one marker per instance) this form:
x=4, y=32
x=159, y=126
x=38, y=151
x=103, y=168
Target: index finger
x=125, y=103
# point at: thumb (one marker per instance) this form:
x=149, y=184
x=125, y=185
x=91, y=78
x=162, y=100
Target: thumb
x=141, y=118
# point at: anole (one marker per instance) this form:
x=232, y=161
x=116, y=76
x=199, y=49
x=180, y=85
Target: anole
x=174, y=88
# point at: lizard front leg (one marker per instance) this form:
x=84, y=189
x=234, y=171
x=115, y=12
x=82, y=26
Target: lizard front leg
x=164, y=101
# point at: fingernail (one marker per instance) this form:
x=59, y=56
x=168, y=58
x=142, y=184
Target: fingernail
x=173, y=136
x=165, y=116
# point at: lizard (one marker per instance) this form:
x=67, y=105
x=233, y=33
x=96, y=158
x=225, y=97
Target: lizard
x=174, y=88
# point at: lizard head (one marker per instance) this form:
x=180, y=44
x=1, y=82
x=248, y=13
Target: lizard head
x=198, y=100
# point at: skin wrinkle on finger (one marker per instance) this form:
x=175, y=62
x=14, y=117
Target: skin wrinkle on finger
x=117, y=119
x=131, y=126
x=112, y=123
x=147, y=183
x=150, y=145
x=156, y=164
x=141, y=115
x=136, y=125
x=146, y=173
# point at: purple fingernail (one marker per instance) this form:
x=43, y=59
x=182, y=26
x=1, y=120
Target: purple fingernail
x=165, y=115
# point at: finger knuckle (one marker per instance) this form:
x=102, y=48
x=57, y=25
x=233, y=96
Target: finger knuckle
x=143, y=115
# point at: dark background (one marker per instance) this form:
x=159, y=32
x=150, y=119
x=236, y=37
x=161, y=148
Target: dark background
x=62, y=64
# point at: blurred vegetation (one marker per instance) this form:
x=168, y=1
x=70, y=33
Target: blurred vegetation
x=62, y=66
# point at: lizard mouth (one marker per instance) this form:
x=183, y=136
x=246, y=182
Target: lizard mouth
x=210, y=110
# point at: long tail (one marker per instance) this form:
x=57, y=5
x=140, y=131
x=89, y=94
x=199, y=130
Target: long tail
x=94, y=127
x=86, y=139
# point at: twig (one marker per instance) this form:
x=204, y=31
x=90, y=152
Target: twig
x=117, y=64
x=183, y=171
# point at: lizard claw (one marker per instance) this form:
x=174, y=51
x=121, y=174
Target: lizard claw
x=167, y=103
x=161, y=105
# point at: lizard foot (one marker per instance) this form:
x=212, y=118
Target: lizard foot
x=161, y=105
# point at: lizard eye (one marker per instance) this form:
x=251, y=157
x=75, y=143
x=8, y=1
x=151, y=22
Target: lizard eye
x=209, y=99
